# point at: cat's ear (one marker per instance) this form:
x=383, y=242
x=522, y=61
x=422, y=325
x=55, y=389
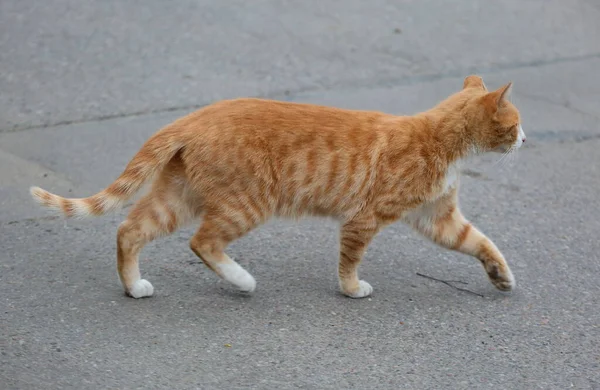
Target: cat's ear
x=504, y=92
x=474, y=81
x=494, y=99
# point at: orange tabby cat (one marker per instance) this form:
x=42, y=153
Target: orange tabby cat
x=237, y=163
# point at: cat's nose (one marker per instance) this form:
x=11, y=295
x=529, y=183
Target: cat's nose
x=522, y=134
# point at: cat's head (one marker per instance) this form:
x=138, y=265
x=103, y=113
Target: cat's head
x=493, y=121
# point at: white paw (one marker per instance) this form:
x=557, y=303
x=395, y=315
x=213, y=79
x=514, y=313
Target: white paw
x=140, y=289
x=236, y=275
x=364, y=290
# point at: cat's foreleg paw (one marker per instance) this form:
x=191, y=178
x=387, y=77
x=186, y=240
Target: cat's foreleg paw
x=140, y=289
x=501, y=277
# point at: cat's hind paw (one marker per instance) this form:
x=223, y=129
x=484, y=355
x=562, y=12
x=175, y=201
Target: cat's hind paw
x=238, y=276
x=364, y=290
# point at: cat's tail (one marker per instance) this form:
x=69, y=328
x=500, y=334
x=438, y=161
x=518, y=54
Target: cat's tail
x=149, y=160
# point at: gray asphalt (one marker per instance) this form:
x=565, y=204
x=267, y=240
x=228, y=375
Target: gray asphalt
x=83, y=83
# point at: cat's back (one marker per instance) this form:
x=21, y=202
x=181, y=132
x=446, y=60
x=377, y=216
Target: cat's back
x=238, y=143
x=263, y=115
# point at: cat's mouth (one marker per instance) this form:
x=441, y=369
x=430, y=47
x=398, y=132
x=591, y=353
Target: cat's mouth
x=515, y=145
x=504, y=148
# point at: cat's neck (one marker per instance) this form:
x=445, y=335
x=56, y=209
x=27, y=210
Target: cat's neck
x=446, y=129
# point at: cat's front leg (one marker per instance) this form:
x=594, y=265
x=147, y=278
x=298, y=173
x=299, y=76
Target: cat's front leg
x=476, y=244
x=445, y=225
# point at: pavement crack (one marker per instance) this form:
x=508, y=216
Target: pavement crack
x=103, y=118
x=284, y=95
x=289, y=95
x=29, y=220
x=565, y=136
x=566, y=104
x=456, y=73
x=56, y=217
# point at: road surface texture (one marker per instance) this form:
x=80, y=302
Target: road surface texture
x=83, y=83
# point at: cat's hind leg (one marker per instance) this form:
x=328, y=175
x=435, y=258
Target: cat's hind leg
x=157, y=214
x=217, y=231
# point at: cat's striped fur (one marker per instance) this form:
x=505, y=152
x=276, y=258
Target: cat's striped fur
x=237, y=163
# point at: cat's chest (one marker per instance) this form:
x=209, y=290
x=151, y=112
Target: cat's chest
x=450, y=179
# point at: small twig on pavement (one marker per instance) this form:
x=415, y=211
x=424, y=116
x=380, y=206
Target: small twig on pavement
x=449, y=283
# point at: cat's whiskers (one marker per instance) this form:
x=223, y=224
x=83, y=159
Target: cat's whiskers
x=514, y=157
x=509, y=156
x=502, y=158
